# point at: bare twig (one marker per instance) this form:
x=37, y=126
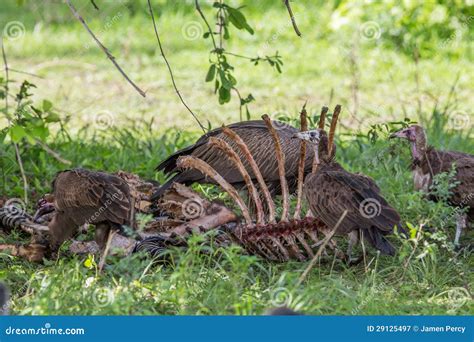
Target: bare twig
x=94, y=4
x=198, y=8
x=53, y=153
x=106, y=251
x=321, y=248
x=292, y=17
x=169, y=69
x=22, y=170
x=26, y=73
x=17, y=150
x=103, y=48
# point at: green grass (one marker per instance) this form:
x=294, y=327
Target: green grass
x=82, y=84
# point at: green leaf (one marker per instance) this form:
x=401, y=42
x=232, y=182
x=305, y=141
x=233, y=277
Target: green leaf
x=238, y=20
x=52, y=117
x=47, y=105
x=224, y=95
x=206, y=35
x=17, y=133
x=211, y=73
x=225, y=82
x=232, y=80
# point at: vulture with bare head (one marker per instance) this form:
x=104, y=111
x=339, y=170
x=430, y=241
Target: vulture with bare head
x=259, y=141
x=88, y=197
x=428, y=162
x=332, y=192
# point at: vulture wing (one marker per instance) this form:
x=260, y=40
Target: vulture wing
x=463, y=194
x=93, y=197
x=330, y=193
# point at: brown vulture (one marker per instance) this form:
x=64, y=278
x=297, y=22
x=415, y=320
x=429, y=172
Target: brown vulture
x=259, y=141
x=330, y=191
x=88, y=197
x=428, y=162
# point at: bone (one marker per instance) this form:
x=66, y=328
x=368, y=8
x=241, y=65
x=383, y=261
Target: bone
x=299, y=191
x=227, y=149
x=33, y=252
x=256, y=171
x=219, y=215
x=198, y=164
x=281, y=167
x=332, y=130
x=322, y=118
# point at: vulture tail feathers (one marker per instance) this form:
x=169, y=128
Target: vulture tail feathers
x=376, y=239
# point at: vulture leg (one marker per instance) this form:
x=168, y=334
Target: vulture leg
x=61, y=229
x=188, y=162
x=102, y=231
x=252, y=190
x=460, y=225
x=261, y=182
x=281, y=167
x=353, y=239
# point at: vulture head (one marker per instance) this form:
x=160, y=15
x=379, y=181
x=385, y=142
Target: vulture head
x=319, y=139
x=416, y=135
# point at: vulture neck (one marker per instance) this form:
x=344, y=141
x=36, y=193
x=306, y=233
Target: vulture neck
x=418, y=148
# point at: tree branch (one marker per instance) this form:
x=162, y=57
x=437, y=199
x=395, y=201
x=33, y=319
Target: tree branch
x=292, y=17
x=171, y=71
x=103, y=48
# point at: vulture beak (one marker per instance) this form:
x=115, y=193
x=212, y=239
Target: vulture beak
x=403, y=134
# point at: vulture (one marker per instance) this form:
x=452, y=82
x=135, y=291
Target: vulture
x=332, y=192
x=88, y=197
x=428, y=162
x=4, y=299
x=259, y=141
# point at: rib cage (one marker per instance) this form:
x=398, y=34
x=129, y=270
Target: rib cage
x=283, y=240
